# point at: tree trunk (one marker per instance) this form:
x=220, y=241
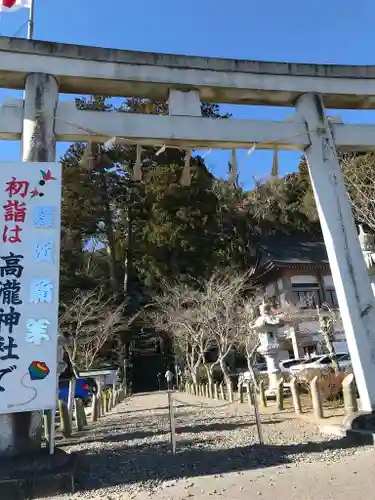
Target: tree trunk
x=129, y=280
x=251, y=371
x=210, y=381
x=193, y=365
x=327, y=329
x=194, y=376
x=20, y=433
x=331, y=349
x=114, y=267
x=227, y=379
x=250, y=353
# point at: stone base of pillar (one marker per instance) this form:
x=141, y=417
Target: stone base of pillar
x=360, y=428
x=39, y=475
x=271, y=390
x=273, y=373
x=360, y=421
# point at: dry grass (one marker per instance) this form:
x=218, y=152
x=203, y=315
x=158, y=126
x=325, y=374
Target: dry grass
x=329, y=383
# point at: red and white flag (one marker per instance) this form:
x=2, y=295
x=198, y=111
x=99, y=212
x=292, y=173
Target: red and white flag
x=13, y=5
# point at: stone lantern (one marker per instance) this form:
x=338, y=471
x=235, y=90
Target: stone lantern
x=367, y=242
x=267, y=326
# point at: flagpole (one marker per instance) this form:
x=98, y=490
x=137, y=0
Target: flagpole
x=30, y=22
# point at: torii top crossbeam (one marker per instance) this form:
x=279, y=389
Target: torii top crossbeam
x=147, y=74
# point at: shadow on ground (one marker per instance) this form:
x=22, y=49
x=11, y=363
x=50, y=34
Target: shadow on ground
x=142, y=410
x=154, y=462
x=90, y=437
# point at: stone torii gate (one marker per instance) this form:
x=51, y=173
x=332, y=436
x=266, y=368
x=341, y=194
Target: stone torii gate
x=41, y=119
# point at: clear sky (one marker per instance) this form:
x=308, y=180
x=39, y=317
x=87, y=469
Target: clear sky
x=316, y=31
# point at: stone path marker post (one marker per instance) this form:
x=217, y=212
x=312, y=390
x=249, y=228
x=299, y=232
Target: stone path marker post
x=252, y=399
x=316, y=398
x=350, y=394
x=172, y=422
x=295, y=395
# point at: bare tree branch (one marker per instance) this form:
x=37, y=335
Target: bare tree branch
x=216, y=315
x=89, y=322
x=358, y=172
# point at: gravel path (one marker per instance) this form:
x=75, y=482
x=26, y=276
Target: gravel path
x=127, y=454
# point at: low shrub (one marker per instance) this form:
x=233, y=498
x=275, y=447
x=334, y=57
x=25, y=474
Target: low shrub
x=262, y=377
x=329, y=382
x=202, y=375
x=286, y=376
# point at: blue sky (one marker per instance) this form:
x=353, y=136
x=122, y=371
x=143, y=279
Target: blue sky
x=315, y=31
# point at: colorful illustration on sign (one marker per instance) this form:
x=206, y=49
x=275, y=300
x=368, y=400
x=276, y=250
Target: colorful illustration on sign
x=37, y=331
x=41, y=291
x=45, y=176
x=35, y=192
x=43, y=216
x=38, y=370
x=32, y=389
x=44, y=252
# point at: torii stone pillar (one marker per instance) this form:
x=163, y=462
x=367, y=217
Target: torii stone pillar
x=20, y=433
x=349, y=272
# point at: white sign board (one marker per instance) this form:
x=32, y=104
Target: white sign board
x=30, y=212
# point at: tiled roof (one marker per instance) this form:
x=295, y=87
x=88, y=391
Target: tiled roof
x=296, y=249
